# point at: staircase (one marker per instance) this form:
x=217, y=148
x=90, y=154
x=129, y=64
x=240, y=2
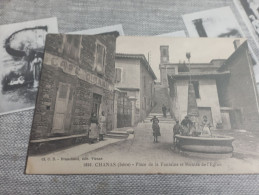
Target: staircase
x=160, y=117
x=161, y=97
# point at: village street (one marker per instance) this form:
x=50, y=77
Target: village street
x=139, y=149
x=140, y=145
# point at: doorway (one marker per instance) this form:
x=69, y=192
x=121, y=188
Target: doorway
x=63, y=107
x=97, y=100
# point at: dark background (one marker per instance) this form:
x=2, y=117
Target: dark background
x=138, y=17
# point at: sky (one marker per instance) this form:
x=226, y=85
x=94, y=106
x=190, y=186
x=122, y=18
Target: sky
x=202, y=49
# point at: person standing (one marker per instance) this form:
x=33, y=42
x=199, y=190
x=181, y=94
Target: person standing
x=205, y=126
x=176, y=131
x=156, y=128
x=164, y=109
x=186, y=124
x=102, y=122
x=94, y=128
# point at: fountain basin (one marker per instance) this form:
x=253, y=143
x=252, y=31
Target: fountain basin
x=212, y=145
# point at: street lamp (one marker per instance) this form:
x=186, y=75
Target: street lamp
x=188, y=56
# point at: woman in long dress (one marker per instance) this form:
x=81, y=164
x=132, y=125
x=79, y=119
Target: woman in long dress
x=94, y=129
x=205, y=126
x=102, y=122
x=156, y=128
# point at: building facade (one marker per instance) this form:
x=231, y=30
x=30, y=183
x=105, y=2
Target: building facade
x=77, y=80
x=135, y=76
x=225, y=90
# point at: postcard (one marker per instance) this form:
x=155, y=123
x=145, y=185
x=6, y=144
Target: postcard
x=219, y=22
x=21, y=55
x=110, y=104
x=105, y=29
x=180, y=33
x=248, y=9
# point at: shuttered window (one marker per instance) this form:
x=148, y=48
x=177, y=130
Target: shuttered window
x=72, y=47
x=118, y=73
x=100, y=59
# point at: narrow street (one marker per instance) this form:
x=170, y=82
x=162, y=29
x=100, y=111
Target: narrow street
x=139, y=154
x=142, y=147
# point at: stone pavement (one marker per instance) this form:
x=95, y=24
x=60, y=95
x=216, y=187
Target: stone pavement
x=142, y=147
x=81, y=149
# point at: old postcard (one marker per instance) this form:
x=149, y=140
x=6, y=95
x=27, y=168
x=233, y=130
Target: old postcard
x=105, y=29
x=180, y=33
x=248, y=9
x=145, y=105
x=219, y=22
x=21, y=55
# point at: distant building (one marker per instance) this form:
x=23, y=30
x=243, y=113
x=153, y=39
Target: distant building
x=225, y=90
x=135, y=76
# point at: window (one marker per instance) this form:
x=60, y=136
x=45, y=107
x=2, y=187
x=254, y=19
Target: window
x=100, y=58
x=164, y=52
x=63, y=91
x=72, y=46
x=144, y=82
x=196, y=88
x=118, y=75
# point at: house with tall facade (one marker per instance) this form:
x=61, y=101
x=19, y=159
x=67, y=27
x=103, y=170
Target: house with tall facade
x=135, y=76
x=225, y=90
x=77, y=80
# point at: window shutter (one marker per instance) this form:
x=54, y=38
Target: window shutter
x=118, y=75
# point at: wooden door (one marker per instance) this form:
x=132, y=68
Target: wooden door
x=61, y=108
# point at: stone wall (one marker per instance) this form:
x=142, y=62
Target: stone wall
x=81, y=92
x=146, y=91
x=238, y=91
x=208, y=98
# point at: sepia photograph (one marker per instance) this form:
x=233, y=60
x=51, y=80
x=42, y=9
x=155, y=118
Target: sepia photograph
x=21, y=51
x=105, y=29
x=110, y=104
x=250, y=8
x=219, y=22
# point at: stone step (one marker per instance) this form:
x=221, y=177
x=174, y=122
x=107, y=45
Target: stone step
x=147, y=120
x=117, y=136
x=155, y=114
x=161, y=118
x=168, y=117
x=117, y=132
x=167, y=121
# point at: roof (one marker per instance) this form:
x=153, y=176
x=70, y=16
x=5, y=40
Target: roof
x=233, y=55
x=140, y=57
x=199, y=74
x=115, y=33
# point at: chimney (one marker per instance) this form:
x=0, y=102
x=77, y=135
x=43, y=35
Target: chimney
x=236, y=43
x=164, y=54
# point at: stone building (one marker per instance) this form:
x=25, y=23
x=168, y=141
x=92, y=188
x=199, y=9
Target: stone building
x=135, y=76
x=225, y=90
x=77, y=79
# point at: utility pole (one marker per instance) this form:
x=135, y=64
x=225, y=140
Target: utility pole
x=188, y=56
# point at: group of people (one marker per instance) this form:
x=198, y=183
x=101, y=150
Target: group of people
x=186, y=128
x=97, y=127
